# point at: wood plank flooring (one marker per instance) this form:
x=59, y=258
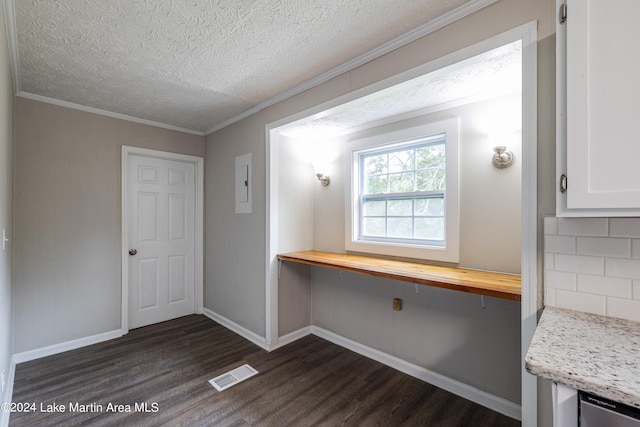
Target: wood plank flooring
x=167, y=367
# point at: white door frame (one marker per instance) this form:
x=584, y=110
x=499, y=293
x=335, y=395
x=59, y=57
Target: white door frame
x=198, y=162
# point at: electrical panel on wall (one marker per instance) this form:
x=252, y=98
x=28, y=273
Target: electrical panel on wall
x=243, y=183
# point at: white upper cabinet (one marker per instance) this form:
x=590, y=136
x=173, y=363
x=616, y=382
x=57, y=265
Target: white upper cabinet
x=598, y=108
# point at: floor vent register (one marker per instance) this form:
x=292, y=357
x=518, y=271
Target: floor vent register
x=231, y=378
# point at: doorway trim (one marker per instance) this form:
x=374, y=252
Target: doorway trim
x=198, y=163
x=527, y=33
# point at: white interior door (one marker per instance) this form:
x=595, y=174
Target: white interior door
x=161, y=217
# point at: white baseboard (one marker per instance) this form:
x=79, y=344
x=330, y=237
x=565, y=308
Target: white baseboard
x=293, y=336
x=468, y=392
x=65, y=346
x=234, y=327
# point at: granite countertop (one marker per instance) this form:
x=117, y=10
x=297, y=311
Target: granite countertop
x=597, y=354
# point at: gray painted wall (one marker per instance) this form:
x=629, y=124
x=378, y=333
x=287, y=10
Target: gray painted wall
x=294, y=297
x=6, y=193
x=238, y=293
x=67, y=225
x=58, y=283
x=445, y=331
x=234, y=243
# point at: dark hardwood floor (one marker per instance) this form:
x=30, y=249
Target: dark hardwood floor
x=167, y=367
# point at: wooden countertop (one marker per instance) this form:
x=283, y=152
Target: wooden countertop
x=499, y=285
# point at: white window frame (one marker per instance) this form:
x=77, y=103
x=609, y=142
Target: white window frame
x=447, y=252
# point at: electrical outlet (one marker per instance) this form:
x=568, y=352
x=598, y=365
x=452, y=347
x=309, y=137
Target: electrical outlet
x=397, y=304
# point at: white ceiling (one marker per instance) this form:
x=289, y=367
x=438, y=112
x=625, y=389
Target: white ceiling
x=198, y=65
x=489, y=75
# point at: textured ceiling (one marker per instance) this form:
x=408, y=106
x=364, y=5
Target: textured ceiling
x=492, y=74
x=197, y=64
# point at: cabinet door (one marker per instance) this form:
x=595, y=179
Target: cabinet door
x=602, y=105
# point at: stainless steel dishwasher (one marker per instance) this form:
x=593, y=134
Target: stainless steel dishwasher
x=596, y=411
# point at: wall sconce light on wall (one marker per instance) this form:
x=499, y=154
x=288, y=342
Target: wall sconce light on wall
x=322, y=169
x=324, y=179
x=502, y=158
x=322, y=154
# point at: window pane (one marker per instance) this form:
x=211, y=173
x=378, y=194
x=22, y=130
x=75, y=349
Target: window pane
x=374, y=207
x=376, y=185
x=401, y=207
x=375, y=165
x=373, y=227
x=429, y=206
x=401, y=191
x=431, y=179
x=430, y=157
x=400, y=227
x=401, y=161
x=401, y=183
x=429, y=228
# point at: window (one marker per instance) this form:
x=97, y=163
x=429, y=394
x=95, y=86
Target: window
x=402, y=189
x=404, y=193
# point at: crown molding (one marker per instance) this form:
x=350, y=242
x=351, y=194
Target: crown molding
x=106, y=113
x=14, y=60
x=421, y=31
x=383, y=49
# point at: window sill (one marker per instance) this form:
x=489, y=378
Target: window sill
x=498, y=285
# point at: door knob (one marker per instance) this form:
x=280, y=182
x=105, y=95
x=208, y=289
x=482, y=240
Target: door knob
x=132, y=251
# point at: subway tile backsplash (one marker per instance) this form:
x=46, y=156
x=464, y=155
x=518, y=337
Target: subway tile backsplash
x=593, y=265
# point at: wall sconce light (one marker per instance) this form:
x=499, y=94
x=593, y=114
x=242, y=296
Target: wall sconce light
x=322, y=165
x=502, y=158
x=324, y=179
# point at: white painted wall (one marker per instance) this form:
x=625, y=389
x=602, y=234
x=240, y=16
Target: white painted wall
x=67, y=225
x=6, y=207
x=295, y=232
x=490, y=198
x=295, y=198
